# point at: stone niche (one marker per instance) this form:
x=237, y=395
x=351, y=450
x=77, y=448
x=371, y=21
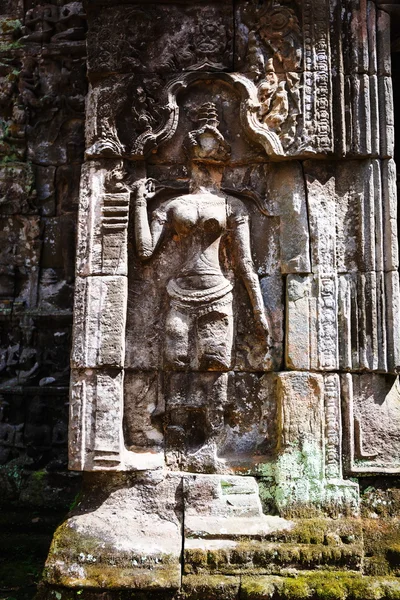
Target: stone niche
x=236, y=321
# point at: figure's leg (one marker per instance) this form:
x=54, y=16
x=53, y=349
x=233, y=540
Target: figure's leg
x=177, y=339
x=214, y=339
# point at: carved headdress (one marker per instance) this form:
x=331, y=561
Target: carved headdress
x=207, y=144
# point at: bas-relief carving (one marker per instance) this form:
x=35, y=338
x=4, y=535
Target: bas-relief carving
x=199, y=324
x=47, y=23
x=200, y=296
x=197, y=36
x=182, y=320
x=285, y=84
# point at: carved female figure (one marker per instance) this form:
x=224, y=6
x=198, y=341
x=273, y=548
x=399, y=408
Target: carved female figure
x=200, y=295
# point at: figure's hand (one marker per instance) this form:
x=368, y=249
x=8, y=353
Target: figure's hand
x=262, y=325
x=145, y=188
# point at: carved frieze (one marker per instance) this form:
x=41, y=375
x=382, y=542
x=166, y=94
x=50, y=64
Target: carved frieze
x=285, y=49
x=135, y=39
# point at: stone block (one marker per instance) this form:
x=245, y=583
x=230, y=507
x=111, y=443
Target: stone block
x=362, y=314
x=16, y=188
x=59, y=240
x=355, y=29
x=105, y=215
x=372, y=37
x=322, y=209
x=383, y=43
x=45, y=190
x=300, y=465
x=360, y=198
x=368, y=321
x=120, y=110
x=285, y=196
x=371, y=421
x=67, y=188
x=392, y=289
x=225, y=588
x=218, y=422
x=385, y=93
x=307, y=473
x=56, y=291
x=389, y=216
x=312, y=333
x=99, y=326
x=95, y=432
x=290, y=56
x=375, y=114
x=318, y=582
x=358, y=114
x=301, y=306
x=144, y=408
x=96, y=436
x=20, y=255
x=221, y=510
x=130, y=539
x=45, y=144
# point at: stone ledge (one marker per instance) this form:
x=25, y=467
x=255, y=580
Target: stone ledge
x=315, y=585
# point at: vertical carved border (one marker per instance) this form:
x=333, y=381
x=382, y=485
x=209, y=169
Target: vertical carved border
x=328, y=351
x=318, y=124
x=333, y=428
x=98, y=347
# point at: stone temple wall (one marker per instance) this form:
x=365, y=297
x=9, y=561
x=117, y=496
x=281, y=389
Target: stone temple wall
x=43, y=89
x=234, y=402
x=42, y=95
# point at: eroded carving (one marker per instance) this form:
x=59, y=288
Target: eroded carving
x=200, y=295
x=195, y=39
x=46, y=23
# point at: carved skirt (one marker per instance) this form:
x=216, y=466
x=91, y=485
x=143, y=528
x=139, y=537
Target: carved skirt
x=200, y=302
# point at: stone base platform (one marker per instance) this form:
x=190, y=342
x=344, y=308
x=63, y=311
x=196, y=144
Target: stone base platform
x=132, y=531
x=178, y=535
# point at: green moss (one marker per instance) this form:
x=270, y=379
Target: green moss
x=10, y=25
x=328, y=588
x=255, y=588
x=392, y=590
x=296, y=589
x=209, y=587
x=321, y=585
x=383, y=501
x=393, y=555
x=217, y=558
x=39, y=475
x=382, y=546
x=101, y=565
x=114, y=577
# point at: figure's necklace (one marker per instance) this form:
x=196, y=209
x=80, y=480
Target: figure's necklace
x=201, y=198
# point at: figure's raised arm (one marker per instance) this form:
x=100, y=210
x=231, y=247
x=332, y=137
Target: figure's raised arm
x=147, y=235
x=240, y=232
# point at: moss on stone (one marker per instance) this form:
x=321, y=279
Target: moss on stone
x=322, y=585
x=381, y=546
x=209, y=587
x=381, y=499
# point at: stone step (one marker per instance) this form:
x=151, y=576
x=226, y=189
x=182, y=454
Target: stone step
x=255, y=557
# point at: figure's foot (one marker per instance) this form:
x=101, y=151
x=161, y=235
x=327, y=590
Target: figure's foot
x=213, y=362
x=177, y=363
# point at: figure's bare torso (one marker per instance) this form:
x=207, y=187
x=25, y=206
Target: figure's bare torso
x=200, y=220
